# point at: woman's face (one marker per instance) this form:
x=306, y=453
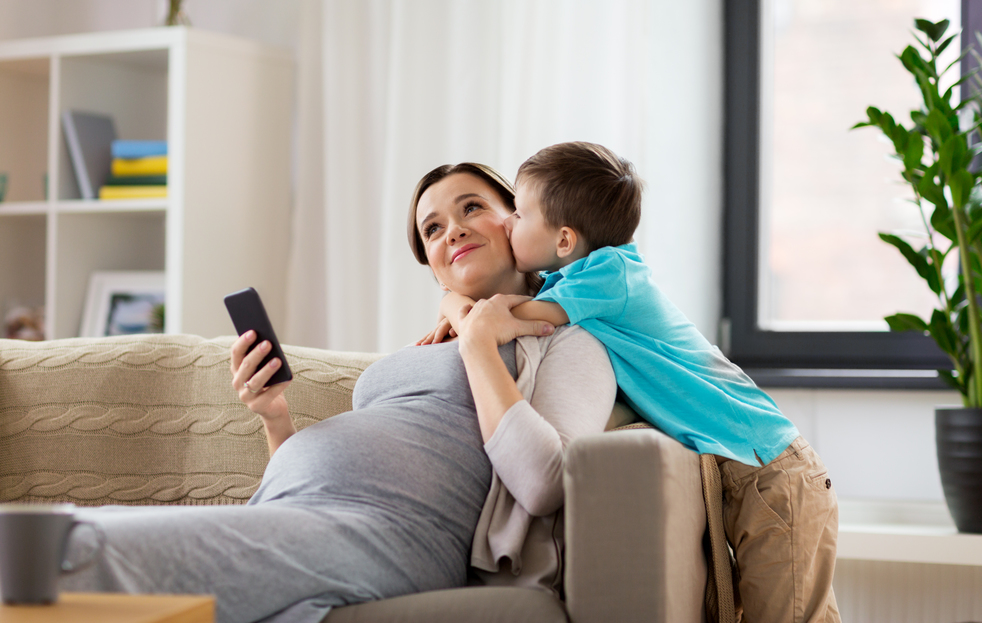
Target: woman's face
x=461, y=222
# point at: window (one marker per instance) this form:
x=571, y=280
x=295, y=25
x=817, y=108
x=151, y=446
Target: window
x=807, y=280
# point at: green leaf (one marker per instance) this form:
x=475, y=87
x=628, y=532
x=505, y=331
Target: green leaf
x=901, y=140
x=887, y=124
x=961, y=183
x=937, y=126
x=915, y=259
x=906, y=322
x=942, y=333
x=974, y=229
x=950, y=157
x=949, y=377
x=915, y=151
x=957, y=297
x=961, y=56
x=931, y=276
x=913, y=61
x=923, y=42
x=944, y=44
x=933, y=30
x=943, y=222
x=931, y=191
x=873, y=114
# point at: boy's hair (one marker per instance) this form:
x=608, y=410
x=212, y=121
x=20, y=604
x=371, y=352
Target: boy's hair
x=587, y=187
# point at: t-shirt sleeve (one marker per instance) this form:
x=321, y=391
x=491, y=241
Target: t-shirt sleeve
x=597, y=290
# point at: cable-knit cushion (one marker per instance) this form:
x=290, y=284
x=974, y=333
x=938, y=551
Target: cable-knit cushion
x=149, y=419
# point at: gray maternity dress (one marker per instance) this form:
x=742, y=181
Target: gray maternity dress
x=377, y=502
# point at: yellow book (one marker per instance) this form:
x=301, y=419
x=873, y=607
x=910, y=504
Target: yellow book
x=151, y=165
x=132, y=192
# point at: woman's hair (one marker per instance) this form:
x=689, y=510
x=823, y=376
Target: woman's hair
x=497, y=181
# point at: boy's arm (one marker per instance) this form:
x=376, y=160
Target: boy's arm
x=553, y=313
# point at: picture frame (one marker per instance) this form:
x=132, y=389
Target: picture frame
x=124, y=303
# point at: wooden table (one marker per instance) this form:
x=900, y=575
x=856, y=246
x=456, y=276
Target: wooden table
x=115, y=608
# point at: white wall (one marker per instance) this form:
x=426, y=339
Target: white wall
x=682, y=221
x=877, y=444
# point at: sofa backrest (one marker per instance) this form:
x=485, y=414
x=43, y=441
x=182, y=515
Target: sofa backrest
x=149, y=419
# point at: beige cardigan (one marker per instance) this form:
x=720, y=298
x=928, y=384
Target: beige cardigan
x=569, y=391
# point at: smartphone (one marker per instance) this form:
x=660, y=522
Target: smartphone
x=247, y=312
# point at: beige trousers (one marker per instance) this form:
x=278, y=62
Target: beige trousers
x=782, y=521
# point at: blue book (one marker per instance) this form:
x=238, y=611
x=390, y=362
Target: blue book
x=138, y=149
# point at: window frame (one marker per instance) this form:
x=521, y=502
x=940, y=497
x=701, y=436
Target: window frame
x=794, y=358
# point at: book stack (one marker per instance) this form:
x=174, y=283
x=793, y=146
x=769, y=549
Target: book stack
x=138, y=170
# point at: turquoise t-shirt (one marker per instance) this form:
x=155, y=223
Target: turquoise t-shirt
x=669, y=373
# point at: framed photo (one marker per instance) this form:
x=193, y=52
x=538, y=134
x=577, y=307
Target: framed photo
x=124, y=303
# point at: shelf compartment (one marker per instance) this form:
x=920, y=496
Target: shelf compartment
x=22, y=261
x=24, y=94
x=97, y=242
x=130, y=87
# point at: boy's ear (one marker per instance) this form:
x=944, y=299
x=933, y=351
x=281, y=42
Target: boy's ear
x=567, y=241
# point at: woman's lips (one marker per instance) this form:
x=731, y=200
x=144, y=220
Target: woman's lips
x=462, y=251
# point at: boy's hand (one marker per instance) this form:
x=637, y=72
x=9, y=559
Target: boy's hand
x=442, y=331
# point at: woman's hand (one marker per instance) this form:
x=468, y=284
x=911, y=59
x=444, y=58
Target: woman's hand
x=267, y=402
x=491, y=319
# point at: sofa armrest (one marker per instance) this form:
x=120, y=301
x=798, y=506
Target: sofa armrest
x=635, y=520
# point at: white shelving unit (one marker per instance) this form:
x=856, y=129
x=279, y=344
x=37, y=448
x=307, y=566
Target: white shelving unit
x=223, y=104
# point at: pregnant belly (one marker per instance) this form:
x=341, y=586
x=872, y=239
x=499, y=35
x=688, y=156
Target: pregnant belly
x=398, y=459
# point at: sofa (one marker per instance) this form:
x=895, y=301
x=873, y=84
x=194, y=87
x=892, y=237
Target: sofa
x=153, y=419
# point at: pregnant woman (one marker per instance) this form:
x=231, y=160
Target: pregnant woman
x=445, y=446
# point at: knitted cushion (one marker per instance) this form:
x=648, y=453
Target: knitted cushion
x=149, y=419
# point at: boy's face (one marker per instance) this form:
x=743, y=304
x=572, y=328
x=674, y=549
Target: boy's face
x=533, y=241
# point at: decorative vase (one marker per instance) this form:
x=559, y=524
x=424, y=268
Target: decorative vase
x=959, y=439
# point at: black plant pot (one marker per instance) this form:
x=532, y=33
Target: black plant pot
x=959, y=438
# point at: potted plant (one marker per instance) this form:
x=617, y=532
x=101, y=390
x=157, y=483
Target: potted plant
x=936, y=155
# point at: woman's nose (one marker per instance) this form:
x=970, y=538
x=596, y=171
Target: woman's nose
x=457, y=233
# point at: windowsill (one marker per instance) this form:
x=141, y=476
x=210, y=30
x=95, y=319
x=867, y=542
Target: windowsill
x=846, y=379
x=912, y=532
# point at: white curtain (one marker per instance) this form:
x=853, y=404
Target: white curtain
x=389, y=89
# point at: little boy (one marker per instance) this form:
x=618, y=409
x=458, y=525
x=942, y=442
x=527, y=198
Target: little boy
x=578, y=205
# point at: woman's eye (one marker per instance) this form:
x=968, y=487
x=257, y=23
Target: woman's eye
x=470, y=207
x=430, y=230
